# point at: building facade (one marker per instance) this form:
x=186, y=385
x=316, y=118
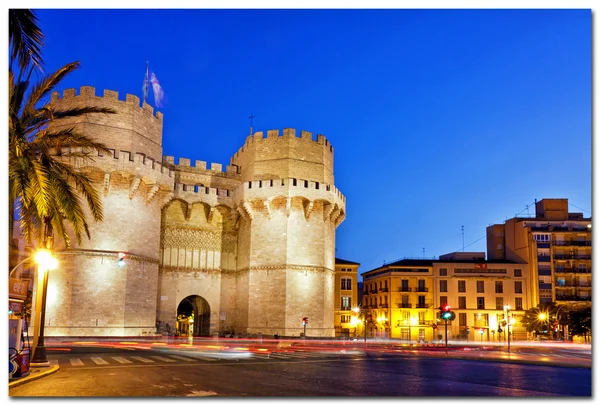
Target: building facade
x=404, y=298
x=557, y=246
x=347, y=322
x=249, y=249
x=483, y=294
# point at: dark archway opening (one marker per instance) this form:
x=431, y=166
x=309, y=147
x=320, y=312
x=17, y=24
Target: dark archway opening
x=193, y=316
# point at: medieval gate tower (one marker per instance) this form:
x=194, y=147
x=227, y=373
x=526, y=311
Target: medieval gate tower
x=249, y=248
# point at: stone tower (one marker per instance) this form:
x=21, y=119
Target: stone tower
x=90, y=294
x=286, y=239
x=250, y=249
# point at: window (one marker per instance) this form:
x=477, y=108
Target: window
x=462, y=286
x=421, y=301
x=405, y=301
x=480, y=288
x=443, y=300
x=462, y=302
x=345, y=318
x=443, y=272
x=443, y=285
x=518, y=273
x=421, y=318
x=480, y=302
x=518, y=287
x=518, y=303
x=582, y=266
x=404, y=285
x=345, y=303
x=499, y=287
x=462, y=319
x=346, y=284
x=499, y=303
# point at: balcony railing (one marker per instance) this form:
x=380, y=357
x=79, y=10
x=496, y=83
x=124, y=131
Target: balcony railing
x=404, y=305
x=571, y=257
x=383, y=305
x=572, y=243
x=572, y=298
x=384, y=289
x=543, y=259
x=421, y=289
x=572, y=270
x=366, y=292
x=404, y=289
x=422, y=305
x=373, y=291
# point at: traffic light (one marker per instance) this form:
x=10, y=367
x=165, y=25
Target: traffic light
x=121, y=259
x=304, y=321
x=446, y=313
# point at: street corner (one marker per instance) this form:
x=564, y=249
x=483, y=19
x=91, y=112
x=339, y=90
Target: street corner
x=34, y=374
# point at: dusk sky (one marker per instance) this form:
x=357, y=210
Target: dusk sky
x=438, y=118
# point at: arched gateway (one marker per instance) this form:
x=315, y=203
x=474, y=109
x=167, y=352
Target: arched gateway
x=193, y=316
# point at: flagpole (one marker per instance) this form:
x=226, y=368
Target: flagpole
x=146, y=83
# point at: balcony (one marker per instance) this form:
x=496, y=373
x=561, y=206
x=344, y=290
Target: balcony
x=404, y=289
x=544, y=259
x=544, y=272
x=404, y=305
x=572, y=298
x=421, y=289
x=384, y=289
x=365, y=292
x=545, y=286
x=571, y=270
x=373, y=291
x=422, y=305
x=571, y=243
x=543, y=245
x=383, y=305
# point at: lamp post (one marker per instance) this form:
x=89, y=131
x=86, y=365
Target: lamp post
x=45, y=262
x=509, y=322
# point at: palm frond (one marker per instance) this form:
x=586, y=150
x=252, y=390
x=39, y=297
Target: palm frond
x=25, y=38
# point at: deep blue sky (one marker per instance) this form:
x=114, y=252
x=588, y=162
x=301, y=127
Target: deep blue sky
x=439, y=118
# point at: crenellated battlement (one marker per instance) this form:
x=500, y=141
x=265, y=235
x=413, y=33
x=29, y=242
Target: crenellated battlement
x=285, y=155
x=122, y=160
x=202, y=166
x=132, y=127
x=111, y=96
x=288, y=134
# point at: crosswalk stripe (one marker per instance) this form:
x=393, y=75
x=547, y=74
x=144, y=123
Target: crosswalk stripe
x=76, y=362
x=121, y=360
x=142, y=359
x=165, y=359
x=98, y=360
x=181, y=357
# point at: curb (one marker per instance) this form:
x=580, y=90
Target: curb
x=32, y=377
x=520, y=361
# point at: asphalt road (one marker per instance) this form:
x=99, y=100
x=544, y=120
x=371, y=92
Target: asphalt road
x=106, y=372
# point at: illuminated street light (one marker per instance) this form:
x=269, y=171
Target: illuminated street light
x=542, y=316
x=46, y=261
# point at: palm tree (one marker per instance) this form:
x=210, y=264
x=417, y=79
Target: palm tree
x=25, y=39
x=44, y=190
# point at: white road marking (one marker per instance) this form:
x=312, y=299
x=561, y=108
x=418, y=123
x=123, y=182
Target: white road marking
x=142, y=359
x=163, y=359
x=180, y=357
x=121, y=360
x=76, y=362
x=98, y=360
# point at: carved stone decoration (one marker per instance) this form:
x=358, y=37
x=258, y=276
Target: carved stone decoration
x=334, y=214
x=210, y=212
x=248, y=209
x=267, y=204
x=151, y=193
x=340, y=219
x=168, y=196
x=198, y=239
x=106, y=183
x=135, y=184
x=308, y=207
x=188, y=212
x=327, y=209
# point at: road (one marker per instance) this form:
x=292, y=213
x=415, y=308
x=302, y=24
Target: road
x=163, y=371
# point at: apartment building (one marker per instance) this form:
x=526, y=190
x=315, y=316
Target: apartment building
x=398, y=299
x=346, y=321
x=483, y=294
x=557, y=246
x=403, y=298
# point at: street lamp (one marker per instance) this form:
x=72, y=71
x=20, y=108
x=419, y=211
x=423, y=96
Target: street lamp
x=45, y=262
x=509, y=323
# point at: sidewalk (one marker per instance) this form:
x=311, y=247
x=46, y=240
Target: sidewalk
x=34, y=374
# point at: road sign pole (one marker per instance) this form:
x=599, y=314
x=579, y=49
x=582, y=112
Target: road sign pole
x=446, y=321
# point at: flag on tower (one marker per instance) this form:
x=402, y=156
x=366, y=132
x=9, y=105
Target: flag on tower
x=157, y=90
x=145, y=86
